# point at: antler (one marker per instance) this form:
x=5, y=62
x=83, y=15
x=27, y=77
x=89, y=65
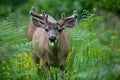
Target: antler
x=43, y=18
x=32, y=12
x=74, y=16
x=63, y=20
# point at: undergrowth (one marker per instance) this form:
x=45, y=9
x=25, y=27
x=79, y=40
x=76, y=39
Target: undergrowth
x=90, y=57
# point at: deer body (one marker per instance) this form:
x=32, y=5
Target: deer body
x=50, y=39
x=52, y=55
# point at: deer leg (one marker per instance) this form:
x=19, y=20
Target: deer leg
x=46, y=68
x=60, y=74
x=47, y=73
x=36, y=59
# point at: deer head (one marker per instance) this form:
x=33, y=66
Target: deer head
x=53, y=28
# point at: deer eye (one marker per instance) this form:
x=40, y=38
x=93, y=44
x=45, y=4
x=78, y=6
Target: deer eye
x=59, y=30
x=46, y=29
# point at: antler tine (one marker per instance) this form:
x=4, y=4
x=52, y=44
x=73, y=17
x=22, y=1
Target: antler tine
x=63, y=16
x=74, y=16
x=32, y=12
x=46, y=18
x=33, y=9
x=43, y=13
x=61, y=21
x=75, y=13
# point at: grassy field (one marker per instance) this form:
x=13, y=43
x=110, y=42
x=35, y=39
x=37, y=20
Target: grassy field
x=94, y=50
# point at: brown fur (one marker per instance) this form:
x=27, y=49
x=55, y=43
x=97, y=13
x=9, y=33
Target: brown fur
x=56, y=55
x=60, y=51
x=31, y=30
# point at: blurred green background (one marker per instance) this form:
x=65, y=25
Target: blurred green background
x=53, y=7
x=94, y=41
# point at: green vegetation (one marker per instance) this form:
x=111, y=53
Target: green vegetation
x=94, y=41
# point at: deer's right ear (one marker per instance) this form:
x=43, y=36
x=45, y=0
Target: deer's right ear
x=37, y=22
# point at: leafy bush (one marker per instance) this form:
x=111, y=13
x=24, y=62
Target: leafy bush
x=7, y=7
x=54, y=7
x=11, y=37
x=94, y=51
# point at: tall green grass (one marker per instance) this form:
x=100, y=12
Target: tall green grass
x=94, y=52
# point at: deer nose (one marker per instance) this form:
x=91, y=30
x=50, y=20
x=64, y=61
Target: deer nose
x=52, y=38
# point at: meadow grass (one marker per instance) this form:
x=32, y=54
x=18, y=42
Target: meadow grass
x=90, y=57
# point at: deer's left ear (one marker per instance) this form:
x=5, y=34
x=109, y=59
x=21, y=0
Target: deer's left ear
x=70, y=23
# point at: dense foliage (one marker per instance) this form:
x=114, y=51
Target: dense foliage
x=56, y=6
x=94, y=41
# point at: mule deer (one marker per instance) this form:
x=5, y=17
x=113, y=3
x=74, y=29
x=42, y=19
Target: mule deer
x=52, y=44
